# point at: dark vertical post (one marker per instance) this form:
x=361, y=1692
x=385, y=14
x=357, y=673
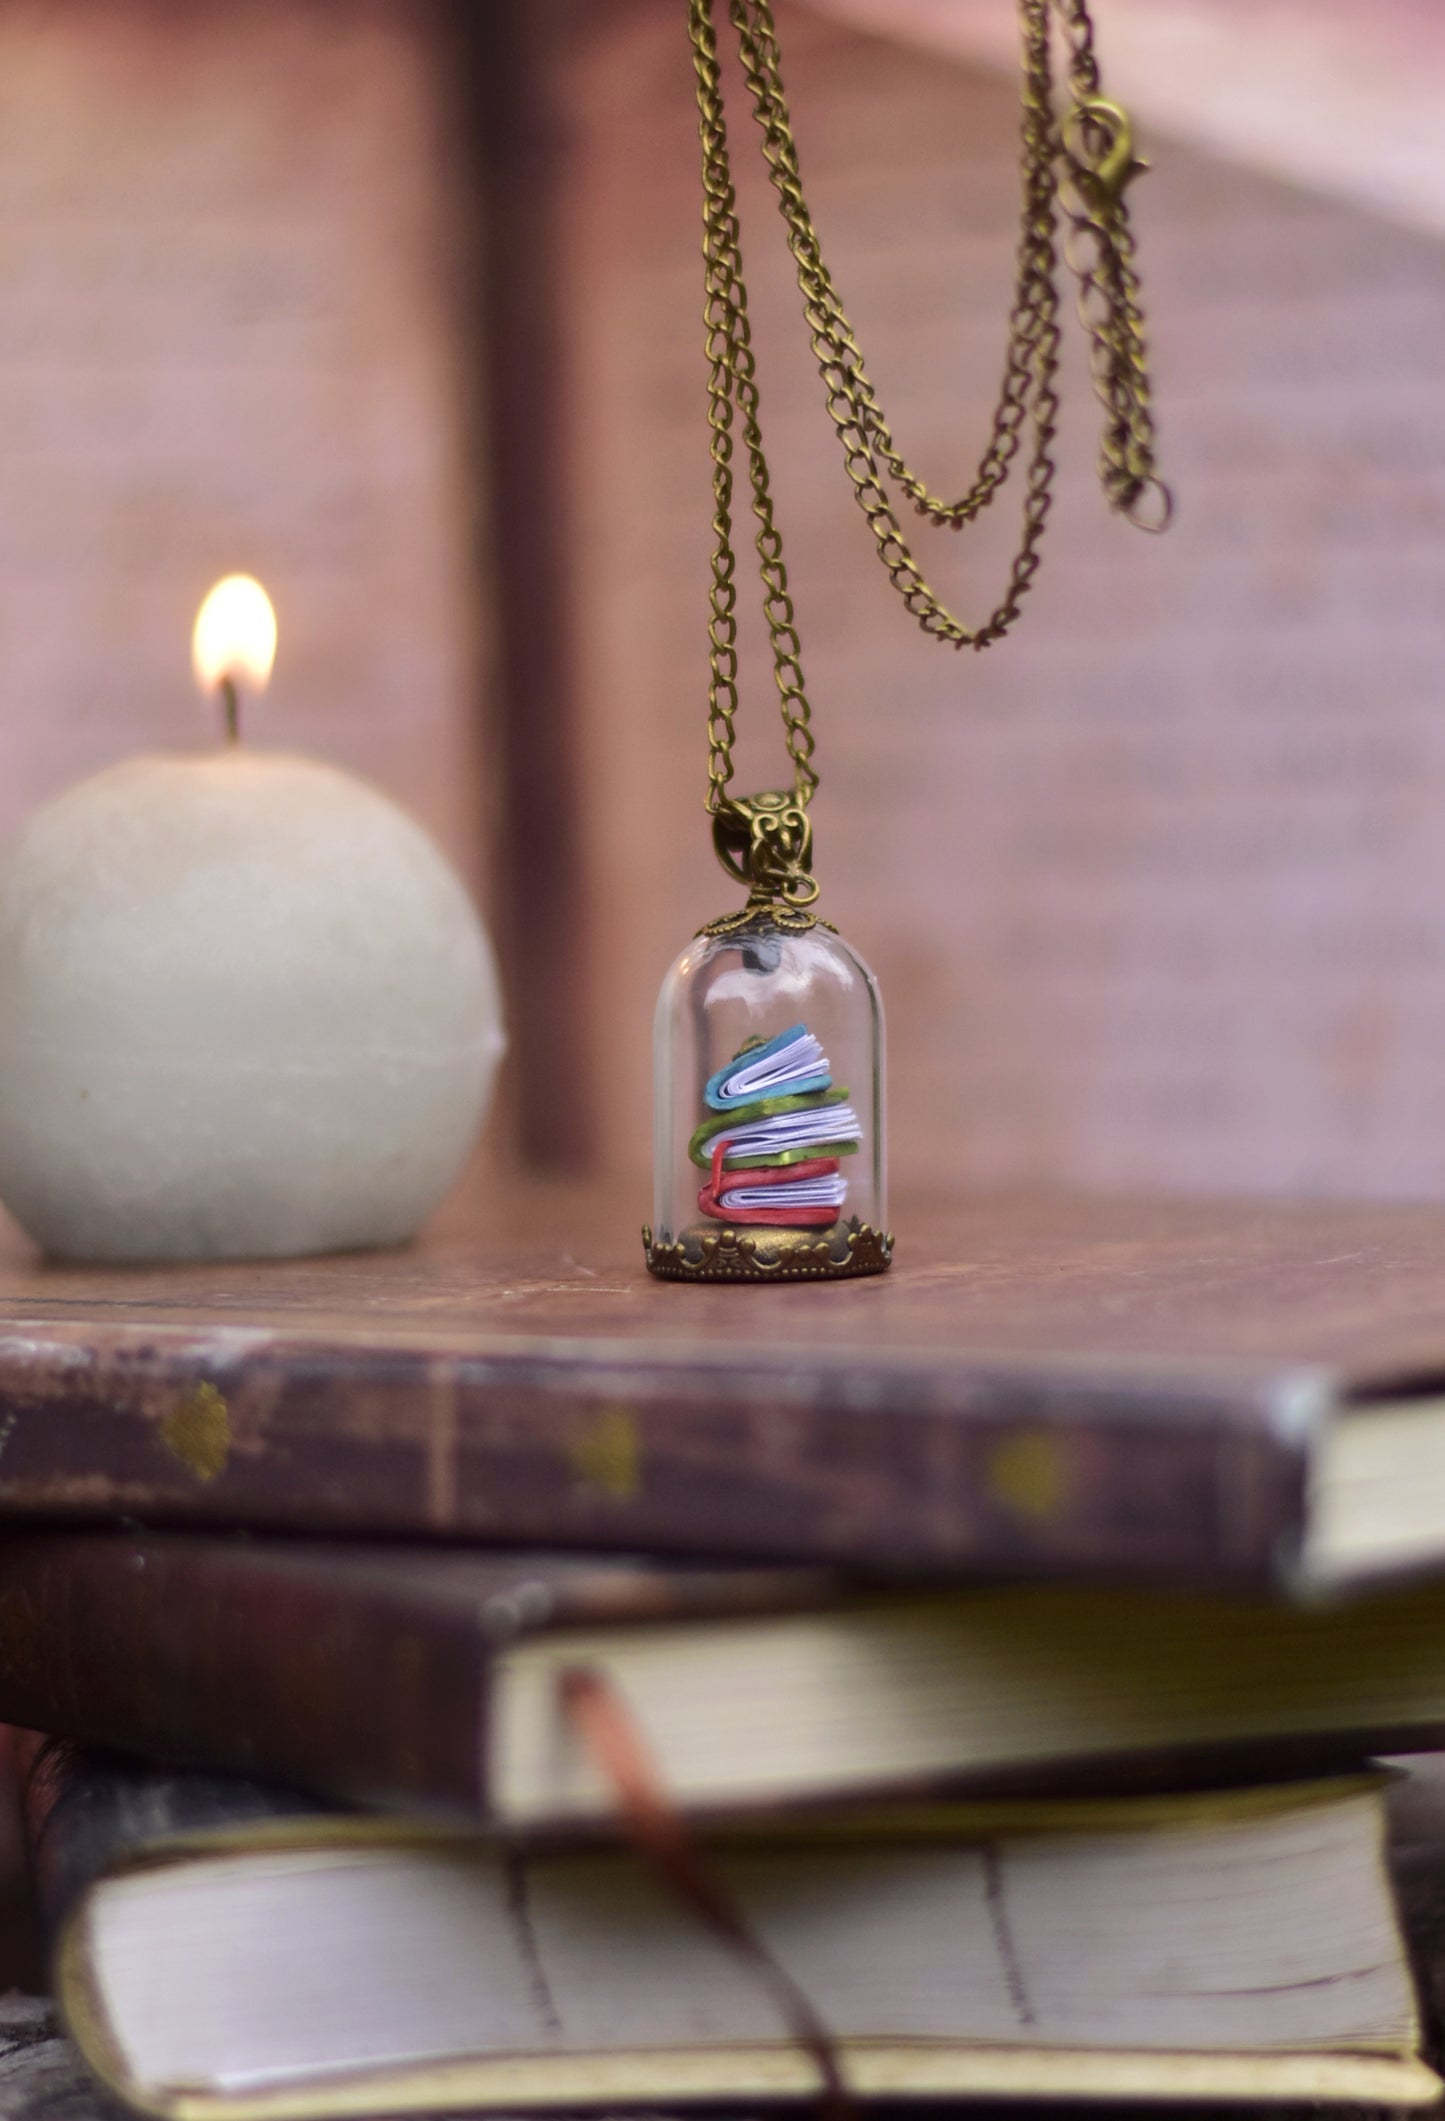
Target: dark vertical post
x=507, y=52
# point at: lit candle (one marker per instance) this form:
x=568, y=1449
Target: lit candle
x=246, y=1007
x=234, y=639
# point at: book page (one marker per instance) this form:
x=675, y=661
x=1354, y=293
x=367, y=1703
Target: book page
x=1274, y=1932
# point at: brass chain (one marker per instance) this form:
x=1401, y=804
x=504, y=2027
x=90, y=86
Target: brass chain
x=1081, y=166
x=732, y=377
x=1098, y=162
x=1028, y=387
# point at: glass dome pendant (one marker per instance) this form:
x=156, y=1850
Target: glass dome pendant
x=768, y=1051
x=768, y=1059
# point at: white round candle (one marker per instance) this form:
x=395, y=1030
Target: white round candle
x=246, y=1009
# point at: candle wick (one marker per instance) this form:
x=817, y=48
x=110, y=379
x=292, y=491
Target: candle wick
x=231, y=705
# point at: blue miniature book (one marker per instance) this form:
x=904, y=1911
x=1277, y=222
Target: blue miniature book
x=792, y=1063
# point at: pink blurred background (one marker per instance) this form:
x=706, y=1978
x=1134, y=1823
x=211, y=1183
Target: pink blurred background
x=397, y=306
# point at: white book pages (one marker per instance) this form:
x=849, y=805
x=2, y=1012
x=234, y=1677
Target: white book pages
x=802, y=1193
x=803, y=1058
x=792, y=1130
x=1259, y=1924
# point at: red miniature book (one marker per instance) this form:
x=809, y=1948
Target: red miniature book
x=804, y=1195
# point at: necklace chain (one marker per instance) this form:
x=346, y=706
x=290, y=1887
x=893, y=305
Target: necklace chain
x=1081, y=165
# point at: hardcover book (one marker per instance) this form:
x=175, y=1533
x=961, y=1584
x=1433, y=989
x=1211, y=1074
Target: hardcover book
x=1238, y=1393
x=431, y=1682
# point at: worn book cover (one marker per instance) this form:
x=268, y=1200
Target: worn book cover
x=1234, y=1392
x=431, y=1681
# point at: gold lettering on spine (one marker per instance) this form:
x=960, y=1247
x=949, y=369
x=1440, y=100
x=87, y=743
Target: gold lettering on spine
x=606, y=1452
x=198, y=1433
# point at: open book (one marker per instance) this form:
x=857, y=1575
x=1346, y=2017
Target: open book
x=1237, y=1944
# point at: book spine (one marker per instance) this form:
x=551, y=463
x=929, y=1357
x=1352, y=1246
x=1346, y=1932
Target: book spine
x=211, y=1657
x=922, y=1466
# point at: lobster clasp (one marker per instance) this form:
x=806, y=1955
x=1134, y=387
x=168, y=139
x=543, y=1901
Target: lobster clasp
x=1099, y=142
x=766, y=842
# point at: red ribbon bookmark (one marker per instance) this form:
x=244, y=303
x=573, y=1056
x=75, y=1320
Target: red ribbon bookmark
x=656, y=1830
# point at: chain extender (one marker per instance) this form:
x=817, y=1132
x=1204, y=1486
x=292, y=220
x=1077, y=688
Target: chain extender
x=1082, y=167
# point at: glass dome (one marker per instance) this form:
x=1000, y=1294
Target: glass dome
x=769, y=1151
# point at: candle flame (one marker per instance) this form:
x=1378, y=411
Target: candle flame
x=235, y=635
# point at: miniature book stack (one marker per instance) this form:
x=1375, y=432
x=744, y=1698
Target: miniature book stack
x=774, y=1135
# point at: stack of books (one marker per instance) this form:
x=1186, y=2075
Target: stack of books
x=331, y=1825
x=776, y=1129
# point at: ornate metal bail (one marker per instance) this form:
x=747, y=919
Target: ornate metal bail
x=766, y=842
